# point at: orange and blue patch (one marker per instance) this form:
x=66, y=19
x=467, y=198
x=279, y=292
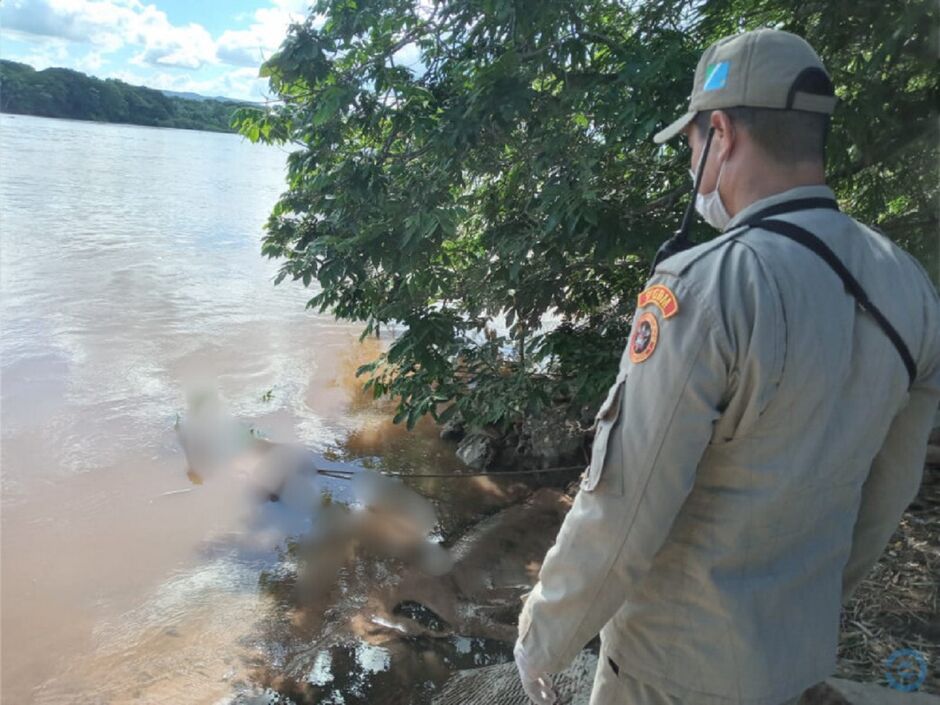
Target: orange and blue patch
x=644, y=338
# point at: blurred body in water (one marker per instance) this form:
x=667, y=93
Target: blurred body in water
x=278, y=486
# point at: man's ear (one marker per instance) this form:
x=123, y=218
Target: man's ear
x=724, y=133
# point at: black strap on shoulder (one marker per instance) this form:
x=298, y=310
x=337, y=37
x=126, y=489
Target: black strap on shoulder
x=804, y=237
x=680, y=241
x=811, y=241
x=673, y=246
x=797, y=204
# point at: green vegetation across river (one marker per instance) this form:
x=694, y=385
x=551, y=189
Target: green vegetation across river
x=63, y=93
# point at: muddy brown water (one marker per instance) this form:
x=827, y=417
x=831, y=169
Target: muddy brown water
x=129, y=268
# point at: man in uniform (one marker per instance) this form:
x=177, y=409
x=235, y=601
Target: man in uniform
x=766, y=429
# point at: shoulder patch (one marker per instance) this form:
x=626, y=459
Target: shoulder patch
x=660, y=296
x=644, y=338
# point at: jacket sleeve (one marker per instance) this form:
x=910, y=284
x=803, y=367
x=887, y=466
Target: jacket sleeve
x=651, y=434
x=892, y=484
x=897, y=470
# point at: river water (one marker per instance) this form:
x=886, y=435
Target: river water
x=129, y=267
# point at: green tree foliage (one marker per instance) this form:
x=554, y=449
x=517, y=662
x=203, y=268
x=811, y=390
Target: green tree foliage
x=508, y=170
x=64, y=93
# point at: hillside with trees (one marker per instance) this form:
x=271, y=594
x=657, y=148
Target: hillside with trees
x=64, y=93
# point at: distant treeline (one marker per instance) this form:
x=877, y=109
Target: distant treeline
x=63, y=93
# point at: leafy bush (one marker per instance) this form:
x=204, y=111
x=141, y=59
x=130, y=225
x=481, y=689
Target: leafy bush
x=469, y=159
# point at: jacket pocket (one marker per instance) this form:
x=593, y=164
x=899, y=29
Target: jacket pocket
x=604, y=437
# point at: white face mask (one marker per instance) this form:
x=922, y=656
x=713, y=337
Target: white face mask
x=710, y=206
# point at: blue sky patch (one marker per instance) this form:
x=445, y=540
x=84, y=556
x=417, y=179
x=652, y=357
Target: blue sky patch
x=211, y=48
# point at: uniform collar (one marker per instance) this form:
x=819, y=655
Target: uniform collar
x=782, y=197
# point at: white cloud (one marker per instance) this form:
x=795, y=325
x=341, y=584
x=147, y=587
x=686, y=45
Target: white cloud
x=83, y=34
x=168, y=81
x=90, y=62
x=240, y=84
x=409, y=56
x=250, y=47
x=189, y=47
x=41, y=18
x=45, y=55
x=104, y=23
x=109, y=25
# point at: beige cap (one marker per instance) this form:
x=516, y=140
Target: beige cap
x=756, y=69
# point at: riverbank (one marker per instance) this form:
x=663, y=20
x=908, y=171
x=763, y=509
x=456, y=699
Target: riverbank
x=441, y=636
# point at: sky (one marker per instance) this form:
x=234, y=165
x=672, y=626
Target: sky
x=211, y=47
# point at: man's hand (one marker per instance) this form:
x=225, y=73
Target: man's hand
x=538, y=686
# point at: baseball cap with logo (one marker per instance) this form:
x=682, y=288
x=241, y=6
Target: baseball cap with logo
x=764, y=68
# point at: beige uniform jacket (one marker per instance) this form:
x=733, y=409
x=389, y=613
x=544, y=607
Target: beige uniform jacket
x=749, y=470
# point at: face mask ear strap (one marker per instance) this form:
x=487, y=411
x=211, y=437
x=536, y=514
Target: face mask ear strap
x=687, y=218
